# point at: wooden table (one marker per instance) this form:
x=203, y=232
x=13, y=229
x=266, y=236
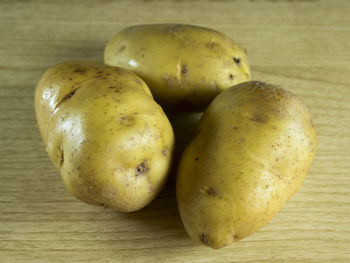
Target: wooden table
x=303, y=46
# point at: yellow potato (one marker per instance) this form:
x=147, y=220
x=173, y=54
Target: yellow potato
x=109, y=139
x=185, y=66
x=252, y=149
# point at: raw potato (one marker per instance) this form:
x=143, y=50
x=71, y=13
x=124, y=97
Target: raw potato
x=252, y=149
x=110, y=140
x=185, y=66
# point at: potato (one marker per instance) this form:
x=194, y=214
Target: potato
x=109, y=139
x=252, y=149
x=185, y=66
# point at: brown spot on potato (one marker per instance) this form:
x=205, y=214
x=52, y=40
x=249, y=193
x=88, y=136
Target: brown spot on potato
x=257, y=118
x=204, y=239
x=142, y=168
x=138, y=81
x=210, y=44
x=70, y=78
x=116, y=89
x=80, y=70
x=122, y=48
x=61, y=158
x=183, y=69
x=126, y=120
x=236, y=237
x=210, y=191
x=231, y=76
x=237, y=61
x=196, y=159
x=165, y=151
x=234, y=127
x=68, y=96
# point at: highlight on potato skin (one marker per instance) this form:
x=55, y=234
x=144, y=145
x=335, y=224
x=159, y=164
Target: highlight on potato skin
x=250, y=154
x=108, y=138
x=185, y=66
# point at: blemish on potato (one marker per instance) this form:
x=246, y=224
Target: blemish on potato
x=204, y=239
x=80, y=70
x=183, y=69
x=237, y=61
x=196, y=159
x=210, y=44
x=210, y=191
x=68, y=96
x=165, y=151
x=126, y=120
x=61, y=158
x=231, y=76
x=142, y=168
x=257, y=118
x=235, y=237
x=122, y=48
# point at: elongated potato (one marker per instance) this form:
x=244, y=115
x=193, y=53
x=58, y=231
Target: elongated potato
x=106, y=135
x=185, y=66
x=253, y=147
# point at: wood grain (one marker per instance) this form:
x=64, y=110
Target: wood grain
x=303, y=46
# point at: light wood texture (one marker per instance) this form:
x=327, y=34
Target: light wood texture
x=303, y=46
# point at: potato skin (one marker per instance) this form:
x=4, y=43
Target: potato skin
x=109, y=139
x=252, y=149
x=185, y=66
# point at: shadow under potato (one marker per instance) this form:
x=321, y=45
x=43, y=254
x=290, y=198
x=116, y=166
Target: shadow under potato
x=184, y=124
x=162, y=213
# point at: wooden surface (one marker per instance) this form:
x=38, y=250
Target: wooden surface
x=303, y=46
